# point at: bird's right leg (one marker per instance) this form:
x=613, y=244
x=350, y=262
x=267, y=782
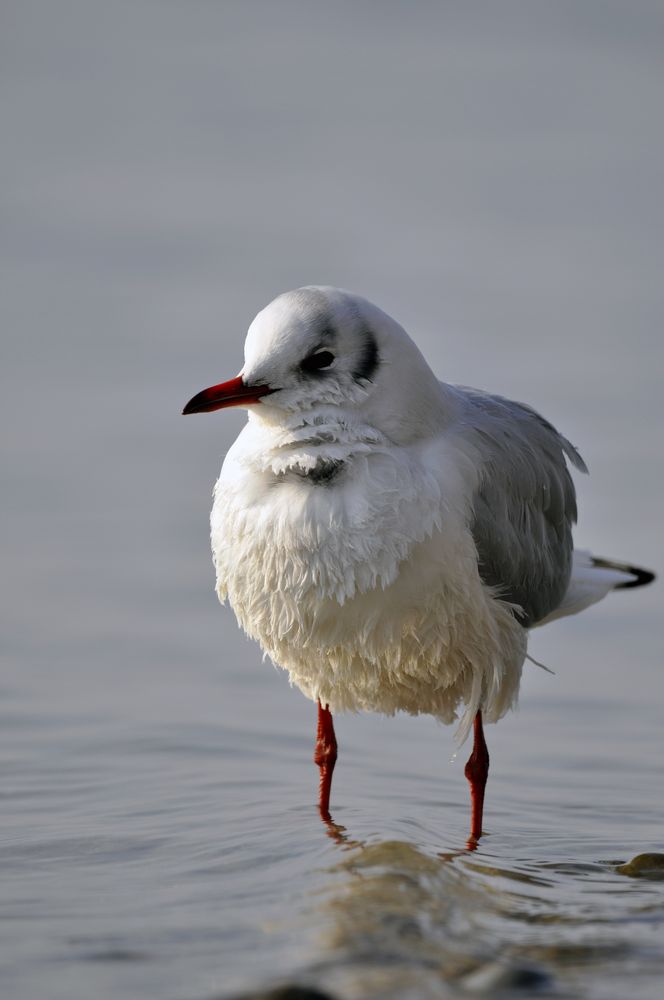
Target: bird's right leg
x=477, y=770
x=325, y=755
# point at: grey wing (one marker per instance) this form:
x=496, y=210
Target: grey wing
x=525, y=506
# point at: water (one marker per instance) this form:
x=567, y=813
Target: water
x=491, y=176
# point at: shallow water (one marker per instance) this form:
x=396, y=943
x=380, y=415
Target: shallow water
x=172, y=848
x=491, y=176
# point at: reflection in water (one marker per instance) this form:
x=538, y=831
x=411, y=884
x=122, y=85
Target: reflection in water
x=401, y=922
x=337, y=832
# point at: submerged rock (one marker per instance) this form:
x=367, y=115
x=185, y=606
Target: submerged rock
x=499, y=975
x=289, y=991
x=644, y=866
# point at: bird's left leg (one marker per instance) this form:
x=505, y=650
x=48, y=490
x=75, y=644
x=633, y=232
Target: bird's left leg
x=325, y=755
x=477, y=770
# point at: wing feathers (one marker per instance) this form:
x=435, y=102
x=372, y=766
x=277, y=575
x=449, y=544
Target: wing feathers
x=525, y=506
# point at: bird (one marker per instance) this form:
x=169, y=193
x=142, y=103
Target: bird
x=387, y=538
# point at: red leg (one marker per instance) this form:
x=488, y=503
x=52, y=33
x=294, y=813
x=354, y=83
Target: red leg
x=325, y=755
x=476, y=771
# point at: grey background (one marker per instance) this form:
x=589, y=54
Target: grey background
x=488, y=173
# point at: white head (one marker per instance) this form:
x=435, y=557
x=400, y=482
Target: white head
x=318, y=347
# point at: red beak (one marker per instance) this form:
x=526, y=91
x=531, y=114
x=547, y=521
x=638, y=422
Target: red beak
x=231, y=393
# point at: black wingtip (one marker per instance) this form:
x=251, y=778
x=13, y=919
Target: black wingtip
x=641, y=576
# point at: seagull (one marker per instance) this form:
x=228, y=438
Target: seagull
x=387, y=538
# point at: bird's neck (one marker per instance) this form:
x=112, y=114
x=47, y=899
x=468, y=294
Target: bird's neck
x=308, y=439
x=319, y=424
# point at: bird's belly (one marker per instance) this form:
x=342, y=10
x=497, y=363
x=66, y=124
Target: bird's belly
x=375, y=605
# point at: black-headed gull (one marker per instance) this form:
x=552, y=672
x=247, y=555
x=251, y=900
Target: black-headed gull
x=389, y=539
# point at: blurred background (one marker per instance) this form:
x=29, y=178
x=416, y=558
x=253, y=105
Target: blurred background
x=491, y=175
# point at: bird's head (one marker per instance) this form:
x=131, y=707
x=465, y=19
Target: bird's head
x=320, y=347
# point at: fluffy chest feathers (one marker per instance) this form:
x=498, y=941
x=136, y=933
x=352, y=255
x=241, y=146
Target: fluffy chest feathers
x=327, y=512
x=351, y=562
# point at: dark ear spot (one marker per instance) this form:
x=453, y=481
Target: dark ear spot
x=368, y=360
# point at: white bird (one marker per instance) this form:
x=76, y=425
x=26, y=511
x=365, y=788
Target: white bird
x=387, y=538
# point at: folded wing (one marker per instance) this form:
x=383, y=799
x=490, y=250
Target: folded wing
x=525, y=506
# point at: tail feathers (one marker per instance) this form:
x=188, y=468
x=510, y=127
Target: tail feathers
x=592, y=579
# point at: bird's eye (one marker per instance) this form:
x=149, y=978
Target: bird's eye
x=319, y=359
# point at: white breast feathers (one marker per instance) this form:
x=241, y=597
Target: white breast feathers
x=350, y=561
